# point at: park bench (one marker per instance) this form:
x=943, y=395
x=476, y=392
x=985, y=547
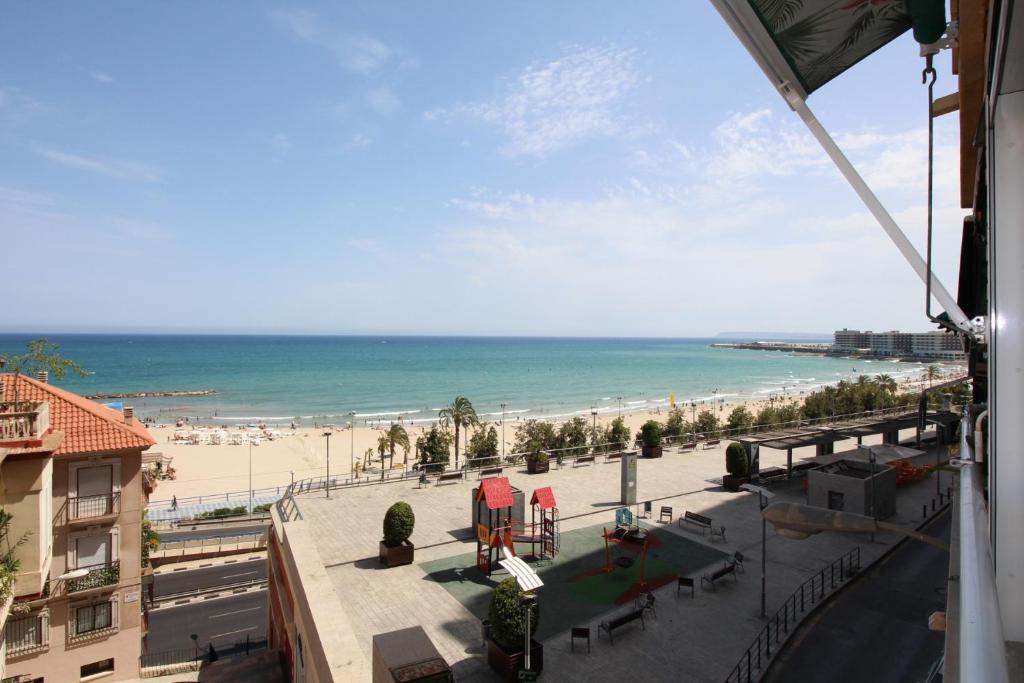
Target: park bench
x=621, y=620
x=687, y=447
x=773, y=473
x=448, y=476
x=686, y=582
x=702, y=523
x=583, y=459
x=613, y=456
x=717, y=574
x=711, y=443
x=490, y=472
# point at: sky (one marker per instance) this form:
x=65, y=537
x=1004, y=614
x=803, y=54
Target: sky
x=571, y=168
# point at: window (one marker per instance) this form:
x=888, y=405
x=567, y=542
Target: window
x=835, y=500
x=101, y=667
x=89, y=618
x=93, y=551
x=26, y=634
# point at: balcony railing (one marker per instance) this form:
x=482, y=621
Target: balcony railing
x=28, y=634
x=24, y=420
x=99, y=575
x=88, y=507
x=96, y=619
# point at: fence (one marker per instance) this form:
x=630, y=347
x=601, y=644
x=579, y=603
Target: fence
x=153, y=664
x=212, y=544
x=811, y=592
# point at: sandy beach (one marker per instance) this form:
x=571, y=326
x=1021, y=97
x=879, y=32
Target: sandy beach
x=203, y=470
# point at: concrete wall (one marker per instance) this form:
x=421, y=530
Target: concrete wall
x=856, y=491
x=27, y=495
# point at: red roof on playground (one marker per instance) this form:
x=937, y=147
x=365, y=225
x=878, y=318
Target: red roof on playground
x=496, y=492
x=544, y=497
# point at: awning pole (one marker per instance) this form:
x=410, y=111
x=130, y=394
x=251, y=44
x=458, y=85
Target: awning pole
x=877, y=210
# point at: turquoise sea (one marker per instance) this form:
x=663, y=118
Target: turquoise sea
x=322, y=378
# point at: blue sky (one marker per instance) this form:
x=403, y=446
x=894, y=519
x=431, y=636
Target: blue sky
x=586, y=168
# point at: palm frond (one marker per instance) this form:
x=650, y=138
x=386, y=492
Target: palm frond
x=779, y=13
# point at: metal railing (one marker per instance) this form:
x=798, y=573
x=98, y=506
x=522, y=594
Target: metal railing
x=811, y=592
x=106, y=574
x=153, y=664
x=87, y=507
x=28, y=634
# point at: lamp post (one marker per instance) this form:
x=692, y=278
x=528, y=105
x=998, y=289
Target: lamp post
x=714, y=400
x=352, y=450
x=693, y=419
x=250, y=477
x=593, y=413
x=503, y=405
x=763, y=496
x=620, y=405
x=327, y=435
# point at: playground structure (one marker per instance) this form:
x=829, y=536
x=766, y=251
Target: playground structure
x=497, y=535
x=626, y=532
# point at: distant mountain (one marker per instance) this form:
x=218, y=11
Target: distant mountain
x=777, y=336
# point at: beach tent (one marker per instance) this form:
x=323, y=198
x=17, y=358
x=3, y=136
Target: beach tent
x=803, y=44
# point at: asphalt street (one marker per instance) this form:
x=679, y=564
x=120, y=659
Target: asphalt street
x=223, y=622
x=167, y=583
x=877, y=629
x=213, y=532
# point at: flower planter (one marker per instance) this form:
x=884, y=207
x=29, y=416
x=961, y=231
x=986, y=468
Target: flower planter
x=650, y=451
x=508, y=664
x=734, y=483
x=536, y=467
x=397, y=556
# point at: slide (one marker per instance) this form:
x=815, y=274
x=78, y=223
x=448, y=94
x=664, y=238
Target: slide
x=508, y=549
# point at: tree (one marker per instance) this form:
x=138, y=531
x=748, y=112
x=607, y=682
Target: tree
x=461, y=414
x=535, y=435
x=572, y=437
x=886, y=383
x=736, y=461
x=676, y=424
x=433, y=446
x=41, y=355
x=483, y=447
x=708, y=423
x=383, y=442
x=397, y=436
x=932, y=373
x=616, y=435
x=505, y=612
x=740, y=420
x=788, y=415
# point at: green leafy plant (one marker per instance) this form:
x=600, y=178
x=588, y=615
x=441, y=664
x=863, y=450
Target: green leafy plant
x=650, y=434
x=736, y=462
x=399, y=521
x=616, y=435
x=265, y=507
x=150, y=539
x=534, y=435
x=508, y=627
x=482, y=450
x=433, y=446
x=460, y=413
x=9, y=564
x=538, y=456
x=740, y=420
x=41, y=355
x=222, y=512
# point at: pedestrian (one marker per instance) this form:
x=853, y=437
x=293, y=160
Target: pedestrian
x=174, y=502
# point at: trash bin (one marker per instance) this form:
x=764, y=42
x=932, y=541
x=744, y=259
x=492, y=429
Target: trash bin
x=485, y=631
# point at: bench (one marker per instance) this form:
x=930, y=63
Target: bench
x=686, y=447
x=717, y=574
x=711, y=443
x=686, y=582
x=448, y=476
x=490, y=472
x=583, y=459
x=621, y=620
x=613, y=456
x=700, y=521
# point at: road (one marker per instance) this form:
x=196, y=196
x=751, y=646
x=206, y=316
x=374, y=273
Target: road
x=224, y=622
x=167, y=583
x=877, y=629
x=212, y=532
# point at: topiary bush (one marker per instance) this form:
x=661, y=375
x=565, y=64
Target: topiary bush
x=650, y=433
x=539, y=457
x=398, y=524
x=736, y=462
x=506, y=616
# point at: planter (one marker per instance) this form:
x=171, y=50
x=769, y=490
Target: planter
x=536, y=467
x=397, y=556
x=650, y=451
x=508, y=664
x=734, y=483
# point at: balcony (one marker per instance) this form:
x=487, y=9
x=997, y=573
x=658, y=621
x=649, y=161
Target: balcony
x=93, y=508
x=98, y=575
x=28, y=634
x=24, y=421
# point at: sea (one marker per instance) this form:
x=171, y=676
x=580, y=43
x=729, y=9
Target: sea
x=321, y=379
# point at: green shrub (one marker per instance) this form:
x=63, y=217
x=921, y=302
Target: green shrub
x=650, y=433
x=736, y=460
x=262, y=508
x=223, y=512
x=538, y=457
x=506, y=616
x=398, y=524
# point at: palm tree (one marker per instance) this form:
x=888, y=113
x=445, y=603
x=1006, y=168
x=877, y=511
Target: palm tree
x=932, y=373
x=461, y=414
x=398, y=436
x=886, y=383
x=382, y=447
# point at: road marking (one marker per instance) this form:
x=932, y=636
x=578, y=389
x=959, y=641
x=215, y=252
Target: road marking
x=231, y=576
x=240, y=611
x=231, y=633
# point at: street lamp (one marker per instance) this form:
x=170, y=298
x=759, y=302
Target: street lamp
x=352, y=451
x=250, y=477
x=693, y=419
x=763, y=496
x=593, y=413
x=798, y=521
x=503, y=405
x=327, y=435
x=620, y=405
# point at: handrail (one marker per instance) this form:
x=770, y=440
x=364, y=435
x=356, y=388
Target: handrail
x=982, y=648
x=812, y=591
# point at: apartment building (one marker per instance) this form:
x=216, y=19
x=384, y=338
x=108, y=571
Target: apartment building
x=71, y=479
x=931, y=345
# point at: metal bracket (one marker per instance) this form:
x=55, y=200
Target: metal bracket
x=946, y=42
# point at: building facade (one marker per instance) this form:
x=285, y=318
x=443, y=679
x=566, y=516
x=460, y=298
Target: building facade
x=72, y=482
x=926, y=345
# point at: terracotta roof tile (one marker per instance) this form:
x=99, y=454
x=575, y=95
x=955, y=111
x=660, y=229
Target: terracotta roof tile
x=88, y=426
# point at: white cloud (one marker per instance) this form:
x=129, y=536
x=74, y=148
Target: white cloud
x=101, y=76
x=757, y=144
x=554, y=104
x=358, y=141
x=115, y=168
x=281, y=144
x=357, y=52
x=384, y=101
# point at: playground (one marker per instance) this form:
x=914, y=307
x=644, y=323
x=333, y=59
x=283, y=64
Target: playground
x=584, y=578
